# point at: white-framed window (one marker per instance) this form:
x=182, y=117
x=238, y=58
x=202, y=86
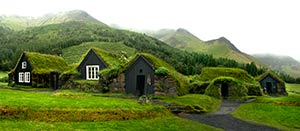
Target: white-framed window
x=92, y=72
x=27, y=77
x=21, y=77
x=24, y=65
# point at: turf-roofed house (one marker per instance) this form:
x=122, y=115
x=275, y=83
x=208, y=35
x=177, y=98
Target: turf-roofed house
x=91, y=65
x=271, y=83
x=146, y=74
x=38, y=70
x=226, y=83
x=139, y=77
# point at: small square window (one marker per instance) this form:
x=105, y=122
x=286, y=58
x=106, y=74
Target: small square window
x=24, y=65
x=141, y=70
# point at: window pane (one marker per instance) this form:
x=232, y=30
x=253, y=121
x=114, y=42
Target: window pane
x=27, y=77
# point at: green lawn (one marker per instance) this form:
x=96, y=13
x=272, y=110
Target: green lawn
x=295, y=88
x=279, y=112
x=209, y=104
x=3, y=74
x=36, y=100
x=168, y=123
x=21, y=110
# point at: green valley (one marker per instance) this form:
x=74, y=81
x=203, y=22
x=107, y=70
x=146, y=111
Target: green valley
x=70, y=71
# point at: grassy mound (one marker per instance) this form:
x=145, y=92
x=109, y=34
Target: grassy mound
x=236, y=89
x=198, y=103
x=210, y=73
x=240, y=82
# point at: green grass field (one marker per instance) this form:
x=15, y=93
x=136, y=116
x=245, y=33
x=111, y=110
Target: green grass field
x=21, y=110
x=167, y=123
x=209, y=104
x=279, y=112
x=65, y=99
x=3, y=75
x=293, y=88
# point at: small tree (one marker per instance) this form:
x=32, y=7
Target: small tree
x=161, y=71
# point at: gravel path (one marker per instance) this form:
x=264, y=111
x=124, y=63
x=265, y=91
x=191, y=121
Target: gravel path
x=222, y=119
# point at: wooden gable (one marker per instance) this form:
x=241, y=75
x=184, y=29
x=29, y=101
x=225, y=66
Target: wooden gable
x=139, y=77
x=92, y=58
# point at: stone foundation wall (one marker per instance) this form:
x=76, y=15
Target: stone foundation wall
x=118, y=84
x=163, y=86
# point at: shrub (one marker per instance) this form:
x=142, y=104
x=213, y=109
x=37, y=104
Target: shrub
x=198, y=87
x=161, y=71
x=4, y=79
x=254, y=89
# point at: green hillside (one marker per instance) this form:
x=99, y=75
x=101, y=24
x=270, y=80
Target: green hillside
x=219, y=48
x=21, y=22
x=53, y=38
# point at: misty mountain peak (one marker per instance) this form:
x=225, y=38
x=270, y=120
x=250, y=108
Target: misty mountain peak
x=183, y=31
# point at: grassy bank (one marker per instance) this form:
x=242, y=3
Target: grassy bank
x=207, y=103
x=293, y=88
x=68, y=110
x=167, y=123
x=71, y=106
x=279, y=112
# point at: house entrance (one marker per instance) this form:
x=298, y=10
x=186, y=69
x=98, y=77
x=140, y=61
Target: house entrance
x=269, y=87
x=140, y=84
x=224, y=90
x=54, y=79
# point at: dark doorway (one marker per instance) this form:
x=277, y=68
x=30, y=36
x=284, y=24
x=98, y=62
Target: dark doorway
x=269, y=87
x=54, y=79
x=224, y=90
x=140, y=84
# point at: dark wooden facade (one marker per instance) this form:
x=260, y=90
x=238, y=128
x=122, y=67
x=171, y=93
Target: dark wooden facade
x=19, y=69
x=139, y=77
x=269, y=84
x=92, y=58
x=272, y=84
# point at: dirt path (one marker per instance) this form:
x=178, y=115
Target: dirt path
x=222, y=119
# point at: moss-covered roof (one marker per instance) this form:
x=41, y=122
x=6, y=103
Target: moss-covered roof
x=272, y=74
x=156, y=63
x=107, y=57
x=43, y=63
x=210, y=73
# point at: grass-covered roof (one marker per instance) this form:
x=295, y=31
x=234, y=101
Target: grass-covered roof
x=75, y=54
x=107, y=57
x=210, y=73
x=43, y=63
x=272, y=74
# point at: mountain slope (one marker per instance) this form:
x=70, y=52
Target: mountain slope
x=284, y=64
x=221, y=47
x=21, y=22
x=53, y=38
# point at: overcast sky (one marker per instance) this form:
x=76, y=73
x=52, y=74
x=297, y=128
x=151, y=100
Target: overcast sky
x=254, y=26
